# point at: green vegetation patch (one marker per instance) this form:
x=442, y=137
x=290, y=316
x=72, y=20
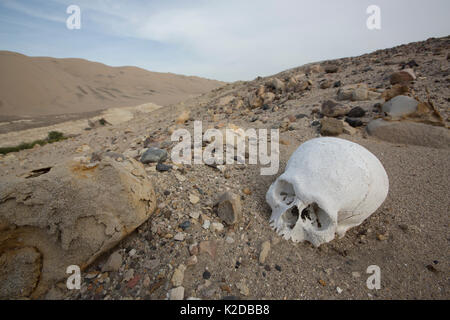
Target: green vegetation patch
x=53, y=136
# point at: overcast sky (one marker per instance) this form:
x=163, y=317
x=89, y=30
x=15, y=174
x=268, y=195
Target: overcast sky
x=226, y=40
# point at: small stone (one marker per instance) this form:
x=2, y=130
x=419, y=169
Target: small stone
x=229, y=208
x=356, y=274
x=146, y=282
x=113, y=263
x=331, y=127
x=265, y=248
x=382, y=237
x=161, y=167
x=247, y=191
x=180, y=236
x=129, y=274
x=208, y=247
x=278, y=268
x=217, y=227
x=178, y=275
x=194, y=199
x=206, y=275
x=154, y=155
x=206, y=224
x=243, y=289
x=193, y=249
x=322, y=283
x=332, y=109
x=132, y=252
x=355, y=123
x=185, y=225
x=194, y=215
x=339, y=290
x=356, y=112
x=191, y=261
x=176, y=293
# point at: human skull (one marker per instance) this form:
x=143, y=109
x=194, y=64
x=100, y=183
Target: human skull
x=329, y=186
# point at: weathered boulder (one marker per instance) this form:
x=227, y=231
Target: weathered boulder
x=67, y=215
x=403, y=77
x=400, y=106
x=411, y=133
x=332, y=109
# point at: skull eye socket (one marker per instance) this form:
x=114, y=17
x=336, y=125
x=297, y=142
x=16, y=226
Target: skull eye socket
x=286, y=191
x=291, y=217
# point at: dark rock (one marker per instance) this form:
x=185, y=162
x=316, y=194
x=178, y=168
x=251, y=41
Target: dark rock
x=206, y=275
x=356, y=112
x=161, y=167
x=278, y=268
x=337, y=84
x=154, y=155
x=354, y=122
x=185, y=225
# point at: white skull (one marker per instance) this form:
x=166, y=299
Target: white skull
x=330, y=185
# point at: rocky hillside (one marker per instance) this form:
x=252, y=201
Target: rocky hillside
x=204, y=230
x=36, y=86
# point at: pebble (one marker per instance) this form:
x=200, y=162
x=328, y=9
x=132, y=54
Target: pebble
x=356, y=112
x=185, y=225
x=113, y=263
x=243, y=289
x=229, y=208
x=191, y=261
x=194, y=199
x=278, y=267
x=193, y=249
x=176, y=293
x=129, y=274
x=217, y=227
x=178, y=275
x=339, y=290
x=161, y=167
x=354, y=122
x=206, y=224
x=132, y=252
x=265, y=248
x=180, y=236
x=154, y=155
x=194, y=215
x=206, y=275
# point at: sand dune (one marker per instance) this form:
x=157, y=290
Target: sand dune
x=32, y=86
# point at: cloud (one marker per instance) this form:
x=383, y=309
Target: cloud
x=232, y=39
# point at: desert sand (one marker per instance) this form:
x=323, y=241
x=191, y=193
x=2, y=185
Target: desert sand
x=36, y=86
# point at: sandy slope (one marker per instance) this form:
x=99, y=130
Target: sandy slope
x=31, y=86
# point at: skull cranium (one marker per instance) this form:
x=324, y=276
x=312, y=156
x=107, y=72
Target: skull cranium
x=329, y=186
